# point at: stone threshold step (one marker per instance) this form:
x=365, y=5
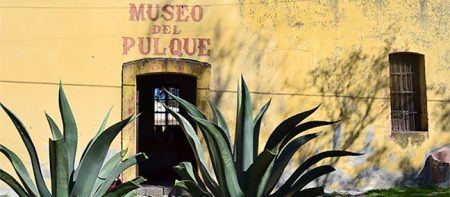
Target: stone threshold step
x=160, y=191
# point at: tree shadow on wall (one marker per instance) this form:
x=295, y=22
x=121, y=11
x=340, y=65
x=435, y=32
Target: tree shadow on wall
x=234, y=54
x=355, y=89
x=442, y=109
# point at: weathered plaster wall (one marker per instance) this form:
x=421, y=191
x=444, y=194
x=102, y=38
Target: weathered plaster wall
x=300, y=53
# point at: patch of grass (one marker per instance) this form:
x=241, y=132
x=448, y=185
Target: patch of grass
x=400, y=192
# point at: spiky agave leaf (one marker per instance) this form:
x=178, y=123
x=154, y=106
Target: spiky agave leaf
x=59, y=168
x=244, y=141
x=117, y=171
x=39, y=178
x=186, y=172
x=312, y=161
x=283, y=129
x=21, y=171
x=9, y=180
x=225, y=157
x=220, y=121
x=93, y=160
x=258, y=121
x=107, y=168
x=125, y=188
x=284, y=157
x=70, y=131
x=192, y=188
x=197, y=148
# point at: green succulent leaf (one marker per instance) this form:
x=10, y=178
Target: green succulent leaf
x=215, y=154
x=100, y=130
x=225, y=155
x=313, y=160
x=112, y=163
x=118, y=170
x=244, y=137
x=190, y=108
x=220, y=121
x=108, y=167
x=42, y=188
x=69, y=128
x=103, y=125
x=92, y=162
x=186, y=172
x=197, y=148
x=56, y=133
x=9, y=180
x=304, y=127
x=283, y=129
x=285, y=156
x=238, y=107
x=58, y=168
x=258, y=120
x=258, y=173
x=310, y=176
x=326, y=154
x=125, y=188
x=21, y=171
x=194, y=112
x=192, y=188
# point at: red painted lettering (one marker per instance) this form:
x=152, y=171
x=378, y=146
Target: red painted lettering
x=202, y=44
x=197, y=13
x=175, y=47
x=127, y=44
x=156, y=48
x=149, y=12
x=167, y=12
x=136, y=15
x=141, y=45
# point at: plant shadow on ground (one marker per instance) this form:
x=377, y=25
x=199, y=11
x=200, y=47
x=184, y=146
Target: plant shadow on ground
x=441, y=192
x=401, y=192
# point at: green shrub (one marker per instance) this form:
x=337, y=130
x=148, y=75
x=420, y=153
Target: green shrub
x=92, y=177
x=239, y=169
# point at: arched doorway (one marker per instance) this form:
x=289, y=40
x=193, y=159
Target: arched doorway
x=141, y=80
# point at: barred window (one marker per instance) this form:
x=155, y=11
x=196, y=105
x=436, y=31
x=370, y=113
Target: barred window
x=162, y=116
x=408, y=93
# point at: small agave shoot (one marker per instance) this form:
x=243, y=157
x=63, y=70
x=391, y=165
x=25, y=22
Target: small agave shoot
x=92, y=177
x=239, y=169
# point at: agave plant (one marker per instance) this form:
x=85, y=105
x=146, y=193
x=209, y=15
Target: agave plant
x=239, y=170
x=92, y=177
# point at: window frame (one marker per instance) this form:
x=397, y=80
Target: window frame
x=408, y=92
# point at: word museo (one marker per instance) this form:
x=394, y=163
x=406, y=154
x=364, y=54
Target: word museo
x=176, y=46
x=177, y=13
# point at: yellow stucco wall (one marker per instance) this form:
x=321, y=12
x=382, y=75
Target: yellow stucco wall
x=299, y=53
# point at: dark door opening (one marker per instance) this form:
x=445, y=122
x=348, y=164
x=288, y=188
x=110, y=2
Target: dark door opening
x=159, y=134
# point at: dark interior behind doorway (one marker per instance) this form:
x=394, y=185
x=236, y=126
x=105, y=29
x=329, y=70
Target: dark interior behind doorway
x=159, y=134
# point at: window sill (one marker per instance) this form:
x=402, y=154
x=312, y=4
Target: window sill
x=409, y=138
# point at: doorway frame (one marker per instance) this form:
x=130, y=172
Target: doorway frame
x=148, y=66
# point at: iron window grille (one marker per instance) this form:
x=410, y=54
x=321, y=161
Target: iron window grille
x=407, y=86
x=162, y=117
